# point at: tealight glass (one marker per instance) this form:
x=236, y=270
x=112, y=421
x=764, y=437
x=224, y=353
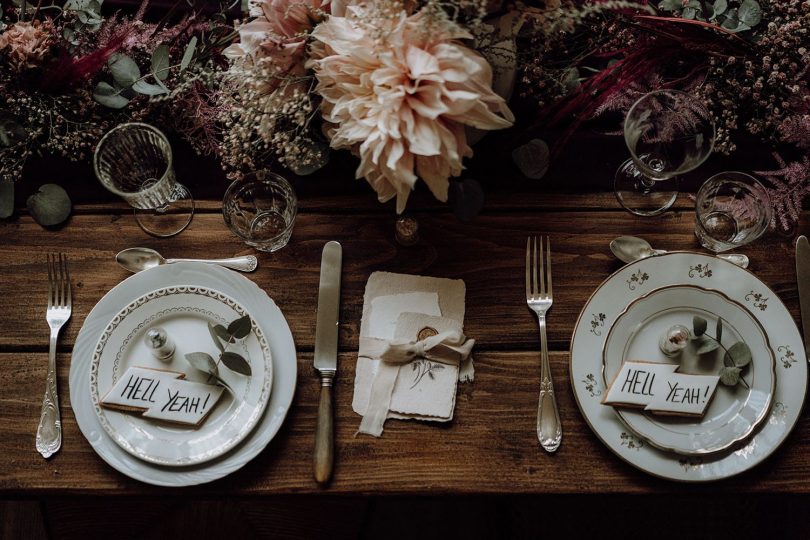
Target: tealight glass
x=260, y=209
x=731, y=209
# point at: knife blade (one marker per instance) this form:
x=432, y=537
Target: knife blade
x=326, y=345
x=803, y=282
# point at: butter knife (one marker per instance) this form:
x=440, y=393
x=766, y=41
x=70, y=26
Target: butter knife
x=326, y=344
x=803, y=283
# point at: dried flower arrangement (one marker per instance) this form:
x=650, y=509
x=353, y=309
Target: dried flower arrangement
x=399, y=83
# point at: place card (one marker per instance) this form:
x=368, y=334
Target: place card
x=658, y=388
x=162, y=395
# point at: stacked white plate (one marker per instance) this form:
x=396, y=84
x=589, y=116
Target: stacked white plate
x=624, y=320
x=183, y=298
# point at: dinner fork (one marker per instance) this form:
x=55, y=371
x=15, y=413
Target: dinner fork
x=539, y=298
x=49, y=432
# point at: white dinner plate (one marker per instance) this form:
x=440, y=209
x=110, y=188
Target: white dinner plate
x=267, y=317
x=741, y=286
x=733, y=413
x=184, y=313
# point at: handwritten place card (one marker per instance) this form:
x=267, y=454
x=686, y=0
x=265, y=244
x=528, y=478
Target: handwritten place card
x=162, y=395
x=659, y=389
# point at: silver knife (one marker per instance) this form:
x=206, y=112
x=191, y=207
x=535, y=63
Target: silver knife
x=326, y=344
x=803, y=282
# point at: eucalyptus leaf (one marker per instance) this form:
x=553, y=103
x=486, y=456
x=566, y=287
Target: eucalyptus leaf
x=215, y=337
x=670, y=5
x=720, y=7
x=699, y=325
x=318, y=154
x=718, y=332
x=223, y=383
x=160, y=62
x=6, y=198
x=108, y=96
x=188, y=54
x=235, y=362
x=11, y=131
x=532, y=158
x=706, y=346
x=124, y=69
x=50, y=205
x=466, y=198
x=223, y=334
x=729, y=376
x=143, y=87
x=240, y=328
x=203, y=361
x=731, y=20
x=749, y=13
x=689, y=13
x=740, y=354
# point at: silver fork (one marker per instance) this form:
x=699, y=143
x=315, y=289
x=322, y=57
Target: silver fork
x=539, y=298
x=49, y=432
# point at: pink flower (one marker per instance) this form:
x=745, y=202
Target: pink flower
x=277, y=23
x=26, y=44
x=399, y=95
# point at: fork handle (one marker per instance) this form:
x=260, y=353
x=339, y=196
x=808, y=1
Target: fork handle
x=49, y=432
x=549, y=428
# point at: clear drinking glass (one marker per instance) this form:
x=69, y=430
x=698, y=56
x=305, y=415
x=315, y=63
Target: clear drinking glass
x=134, y=161
x=731, y=210
x=260, y=209
x=668, y=133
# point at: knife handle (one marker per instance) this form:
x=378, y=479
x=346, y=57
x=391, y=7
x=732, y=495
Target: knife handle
x=325, y=433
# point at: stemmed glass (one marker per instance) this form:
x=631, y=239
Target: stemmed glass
x=134, y=161
x=668, y=133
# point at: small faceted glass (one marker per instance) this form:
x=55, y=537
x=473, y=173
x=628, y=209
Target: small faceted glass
x=731, y=209
x=260, y=209
x=668, y=133
x=134, y=161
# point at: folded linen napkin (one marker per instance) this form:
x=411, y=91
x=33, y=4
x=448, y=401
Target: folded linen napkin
x=412, y=350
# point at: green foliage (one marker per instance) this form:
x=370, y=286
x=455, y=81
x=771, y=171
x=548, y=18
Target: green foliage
x=735, y=358
x=744, y=16
x=6, y=198
x=222, y=337
x=50, y=205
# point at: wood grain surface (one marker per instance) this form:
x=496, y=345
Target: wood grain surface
x=489, y=447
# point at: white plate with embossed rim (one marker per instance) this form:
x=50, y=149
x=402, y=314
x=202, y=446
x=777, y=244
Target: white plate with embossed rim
x=184, y=312
x=733, y=413
x=266, y=315
x=678, y=268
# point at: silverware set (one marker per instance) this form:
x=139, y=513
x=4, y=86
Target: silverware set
x=49, y=432
x=539, y=298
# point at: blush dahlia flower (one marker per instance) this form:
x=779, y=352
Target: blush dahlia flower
x=399, y=95
x=26, y=44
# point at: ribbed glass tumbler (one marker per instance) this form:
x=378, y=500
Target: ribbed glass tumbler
x=134, y=161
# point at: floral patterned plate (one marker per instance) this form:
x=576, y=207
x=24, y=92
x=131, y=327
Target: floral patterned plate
x=741, y=286
x=184, y=312
x=733, y=413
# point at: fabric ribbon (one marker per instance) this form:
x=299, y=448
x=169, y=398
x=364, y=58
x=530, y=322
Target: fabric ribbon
x=451, y=348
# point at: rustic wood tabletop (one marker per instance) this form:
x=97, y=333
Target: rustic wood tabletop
x=490, y=447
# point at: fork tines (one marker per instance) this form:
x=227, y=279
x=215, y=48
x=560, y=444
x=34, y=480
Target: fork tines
x=58, y=281
x=533, y=289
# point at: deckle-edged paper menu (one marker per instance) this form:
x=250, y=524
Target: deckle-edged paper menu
x=411, y=312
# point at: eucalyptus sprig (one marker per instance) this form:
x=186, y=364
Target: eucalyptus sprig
x=238, y=329
x=735, y=358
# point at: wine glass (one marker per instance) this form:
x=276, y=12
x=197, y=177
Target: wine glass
x=668, y=133
x=134, y=161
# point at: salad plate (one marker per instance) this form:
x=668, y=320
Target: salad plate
x=732, y=413
x=184, y=312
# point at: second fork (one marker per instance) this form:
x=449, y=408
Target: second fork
x=539, y=298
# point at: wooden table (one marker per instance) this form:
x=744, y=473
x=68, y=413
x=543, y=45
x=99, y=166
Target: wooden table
x=489, y=448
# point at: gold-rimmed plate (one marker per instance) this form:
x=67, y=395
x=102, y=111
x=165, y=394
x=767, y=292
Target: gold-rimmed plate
x=734, y=413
